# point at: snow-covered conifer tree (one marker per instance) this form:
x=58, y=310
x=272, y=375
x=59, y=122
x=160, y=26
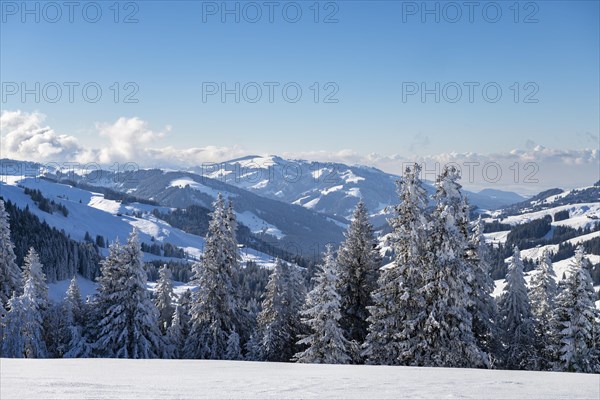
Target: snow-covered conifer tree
x=278, y=323
x=177, y=332
x=10, y=274
x=253, y=347
x=127, y=323
x=33, y=269
x=358, y=263
x=448, y=277
x=164, y=298
x=482, y=304
x=234, y=351
x=216, y=309
x=542, y=293
x=76, y=344
x=24, y=330
x=515, y=318
x=397, y=314
x=326, y=342
x=575, y=319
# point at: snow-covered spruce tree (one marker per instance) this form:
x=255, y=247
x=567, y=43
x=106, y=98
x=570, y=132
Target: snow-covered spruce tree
x=515, y=318
x=216, y=308
x=127, y=319
x=34, y=270
x=252, y=346
x=358, y=263
x=278, y=323
x=397, y=315
x=575, y=319
x=448, y=277
x=177, y=332
x=542, y=293
x=296, y=297
x=164, y=298
x=24, y=330
x=234, y=351
x=326, y=342
x=482, y=304
x=10, y=273
x=76, y=344
x=243, y=321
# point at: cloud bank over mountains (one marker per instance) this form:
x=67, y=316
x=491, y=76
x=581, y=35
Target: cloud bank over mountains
x=25, y=136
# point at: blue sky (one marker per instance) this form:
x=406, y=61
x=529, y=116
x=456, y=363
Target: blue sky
x=368, y=54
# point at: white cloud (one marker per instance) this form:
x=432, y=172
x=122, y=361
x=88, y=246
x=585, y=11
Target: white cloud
x=24, y=136
x=127, y=140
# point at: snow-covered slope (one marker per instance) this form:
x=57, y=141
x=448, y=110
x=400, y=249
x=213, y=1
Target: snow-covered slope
x=204, y=379
x=288, y=224
x=92, y=212
x=583, y=208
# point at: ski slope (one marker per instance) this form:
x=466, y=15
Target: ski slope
x=204, y=379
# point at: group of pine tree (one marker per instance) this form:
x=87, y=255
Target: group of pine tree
x=432, y=306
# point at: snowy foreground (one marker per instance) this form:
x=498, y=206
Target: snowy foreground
x=168, y=379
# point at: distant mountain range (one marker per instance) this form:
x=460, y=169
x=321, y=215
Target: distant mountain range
x=296, y=205
x=330, y=188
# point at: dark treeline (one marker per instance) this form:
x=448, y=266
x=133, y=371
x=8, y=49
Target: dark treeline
x=61, y=256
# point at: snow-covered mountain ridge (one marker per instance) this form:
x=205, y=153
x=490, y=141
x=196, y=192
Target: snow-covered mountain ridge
x=331, y=188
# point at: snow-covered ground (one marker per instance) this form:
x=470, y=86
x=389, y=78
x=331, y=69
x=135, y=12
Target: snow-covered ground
x=201, y=379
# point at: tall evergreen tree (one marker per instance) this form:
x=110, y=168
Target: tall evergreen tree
x=326, y=342
x=10, y=274
x=127, y=325
x=542, y=293
x=278, y=324
x=164, y=298
x=358, y=263
x=177, y=332
x=576, y=319
x=76, y=344
x=24, y=330
x=234, y=351
x=34, y=269
x=515, y=318
x=216, y=309
x=243, y=321
x=397, y=314
x=448, y=278
x=482, y=305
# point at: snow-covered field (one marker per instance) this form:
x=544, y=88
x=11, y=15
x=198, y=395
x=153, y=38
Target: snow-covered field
x=195, y=379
